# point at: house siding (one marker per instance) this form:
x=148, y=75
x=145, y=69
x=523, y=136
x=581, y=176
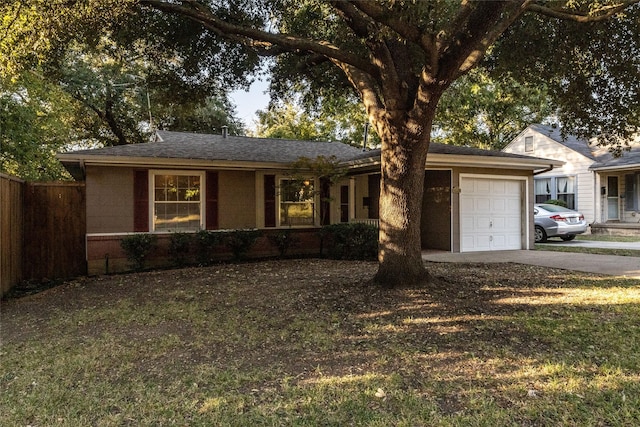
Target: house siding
x=110, y=199
x=237, y=199
x=576, y=165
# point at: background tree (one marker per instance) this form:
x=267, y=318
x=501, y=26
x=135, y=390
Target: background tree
x=338, y=117
x=35, y=123
x=485, y=112
x=400, y=57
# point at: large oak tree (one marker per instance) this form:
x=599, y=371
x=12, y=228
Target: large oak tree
x=400, y=56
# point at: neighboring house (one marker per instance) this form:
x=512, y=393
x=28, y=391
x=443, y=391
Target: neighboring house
x=474, y=199
x=605, y=188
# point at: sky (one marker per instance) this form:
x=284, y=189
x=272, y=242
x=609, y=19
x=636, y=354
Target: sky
x=248, y=102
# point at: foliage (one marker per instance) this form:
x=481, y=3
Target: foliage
x=137, y=247
x=240, y=241
x=284, y=240
x=179, y=247
x=109, y=83
x=351, y=241
x=485, y=112
x=205, y=241
x=35, y=119
x=557, y=202
x=589, y=69
x=335, y=117
x=207, y=116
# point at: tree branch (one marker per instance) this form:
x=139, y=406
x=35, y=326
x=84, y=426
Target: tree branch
x=261, y=41
x=600, y=14
x=368, y=29
x=479, y=25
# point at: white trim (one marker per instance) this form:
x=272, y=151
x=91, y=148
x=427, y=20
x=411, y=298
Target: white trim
x=152, y=195
x=436, y=160
x=316, y=202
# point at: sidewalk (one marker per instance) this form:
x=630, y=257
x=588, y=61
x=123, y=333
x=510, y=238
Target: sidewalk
x=594, y=244
x=624, y=266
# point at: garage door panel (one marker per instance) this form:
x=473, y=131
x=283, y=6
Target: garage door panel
x=491, y=214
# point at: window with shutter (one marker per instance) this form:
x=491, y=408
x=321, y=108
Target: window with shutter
x=631, y=191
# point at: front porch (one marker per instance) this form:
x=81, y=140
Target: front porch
x=617, y=228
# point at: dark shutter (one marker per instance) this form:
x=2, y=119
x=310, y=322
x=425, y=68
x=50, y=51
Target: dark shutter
x=374, y=196
x=211, y=197
x=630, y=192
x=325, y=201
x=269, y=200
x=141, y=200
x=344, y=203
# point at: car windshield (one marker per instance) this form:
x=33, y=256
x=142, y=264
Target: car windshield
x=555, y=208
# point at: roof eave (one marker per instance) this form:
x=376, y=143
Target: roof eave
x=166, y=162
x=439, y=160
x=615, y=168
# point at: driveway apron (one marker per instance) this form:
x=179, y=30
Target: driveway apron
x=623, y=266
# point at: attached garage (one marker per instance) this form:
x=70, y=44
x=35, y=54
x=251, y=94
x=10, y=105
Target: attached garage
x=492, y=213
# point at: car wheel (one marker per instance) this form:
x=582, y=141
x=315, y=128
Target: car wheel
x=568, y=237
x=541, y=235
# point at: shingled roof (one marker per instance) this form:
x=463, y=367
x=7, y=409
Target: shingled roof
x=239, y=150
x=187, y=145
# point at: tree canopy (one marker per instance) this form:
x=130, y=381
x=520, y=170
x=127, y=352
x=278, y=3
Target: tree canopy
x=398, y=56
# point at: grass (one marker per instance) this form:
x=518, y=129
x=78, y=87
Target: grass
x=309, y=342
x=607, y=238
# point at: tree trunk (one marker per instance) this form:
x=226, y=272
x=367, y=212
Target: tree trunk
x=404, y=154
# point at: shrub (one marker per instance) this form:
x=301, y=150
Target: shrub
x=352, y=241
x=284, y=240
x=241, y=241
x=557, y=202
x=137, y=247
x=205, y=242
x=179, y=246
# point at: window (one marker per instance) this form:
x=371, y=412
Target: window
x=556, y=188
x=528, y=144
x=543, y=189
x=297, y=205
x=176, y=201
x=566, y=190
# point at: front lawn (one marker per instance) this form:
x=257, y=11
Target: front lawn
x=309, y=342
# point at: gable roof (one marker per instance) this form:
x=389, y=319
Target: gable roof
x=196, y=149
x=579, y=145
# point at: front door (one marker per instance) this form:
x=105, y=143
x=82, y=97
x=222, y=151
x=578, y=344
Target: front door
x=613, y=203
x=435, y=224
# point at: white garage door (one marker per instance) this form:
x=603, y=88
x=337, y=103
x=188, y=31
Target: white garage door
x=490, y=214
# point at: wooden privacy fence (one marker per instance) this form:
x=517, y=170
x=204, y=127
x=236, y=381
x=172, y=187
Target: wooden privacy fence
x=45, y=224
x=11, y=231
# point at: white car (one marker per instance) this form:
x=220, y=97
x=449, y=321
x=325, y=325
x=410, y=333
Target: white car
x=557, y=221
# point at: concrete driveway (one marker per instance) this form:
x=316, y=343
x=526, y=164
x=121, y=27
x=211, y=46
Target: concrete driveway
x=624, y=266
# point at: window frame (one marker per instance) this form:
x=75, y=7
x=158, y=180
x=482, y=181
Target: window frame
x=280, y=202
x=152, y=199
x=553, y=186
x=529, y=144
